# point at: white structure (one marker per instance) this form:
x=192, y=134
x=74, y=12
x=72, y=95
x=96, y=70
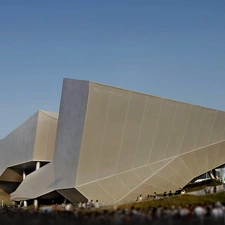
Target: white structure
x=112, y=144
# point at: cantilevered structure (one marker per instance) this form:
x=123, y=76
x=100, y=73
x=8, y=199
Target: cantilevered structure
x=25, y=149
x=113, y=145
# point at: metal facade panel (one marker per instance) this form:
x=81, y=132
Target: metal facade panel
x=206, y=128
x=221, y=154
x=70, y=131
x=147, y=132
x=192, y=130
x=41, y=140
x=92, y=139
x=18, y=146
x=144, y=172
x=163, y=130
x=218, y=128
x=191, y=163
x=130, y=179
x=113, y=133
x=213, y=151
x=201, y=156
x=114, y=186
x=30, y=188
x=51, y=139
x=95, y=192
x=131, y=132
x=178, y=130
x=180, y=168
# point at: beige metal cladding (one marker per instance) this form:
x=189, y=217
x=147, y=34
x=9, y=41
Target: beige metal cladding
x=10, y=176
x=34, y=140
x=135, y=143
x=36, y=184
x=69, y=133
x=31, y=141
x=63, y=168
x=114, y=144
x=45, y=136
x=18, y=146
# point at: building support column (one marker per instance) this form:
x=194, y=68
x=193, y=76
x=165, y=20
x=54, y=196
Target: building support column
x=35, y=203
x=38, y=165
x=211, y=175
x=24, y=202
x=24, y=175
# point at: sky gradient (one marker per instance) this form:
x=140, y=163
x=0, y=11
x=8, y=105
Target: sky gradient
x=173, y=49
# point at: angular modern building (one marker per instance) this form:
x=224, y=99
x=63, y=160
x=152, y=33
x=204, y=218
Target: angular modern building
x=110, y=144
x=25, y=149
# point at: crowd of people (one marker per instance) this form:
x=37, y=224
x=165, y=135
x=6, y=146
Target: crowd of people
x=200, y=214
x=89, y=213
x=165, y=194
x=209, y=190
x=88, y=205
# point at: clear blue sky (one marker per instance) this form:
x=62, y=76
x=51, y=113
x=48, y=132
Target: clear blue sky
x=170, y=48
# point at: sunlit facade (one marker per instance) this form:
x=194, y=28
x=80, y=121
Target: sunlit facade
x=112, y=145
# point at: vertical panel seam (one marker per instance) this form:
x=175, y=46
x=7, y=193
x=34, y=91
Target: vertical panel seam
x=221, y=138
x=103, y=136
x=83, y=133
x=46, y=145
x=140, y=131
x=185, y=130
x=171, y=129
x=199, y=129
x=121, y=144
x=218, y=153
x=35, y=138
x=153, y=142
x=196, y=160
x=209, y=141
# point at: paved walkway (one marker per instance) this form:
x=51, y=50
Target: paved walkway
x=219, y=188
